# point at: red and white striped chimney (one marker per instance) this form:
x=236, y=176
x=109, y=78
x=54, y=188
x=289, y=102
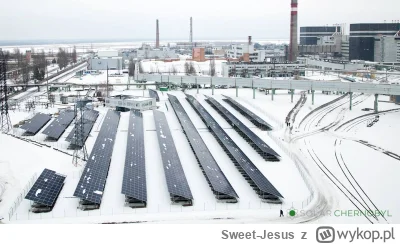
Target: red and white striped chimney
x=293, y=47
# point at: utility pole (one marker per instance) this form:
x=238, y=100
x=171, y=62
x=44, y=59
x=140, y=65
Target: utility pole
x=107, y=80
x=5, y=117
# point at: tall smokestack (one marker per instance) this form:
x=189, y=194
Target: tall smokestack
x=157, y=35
x=293, y=48
x=191, y=31
x=249, y=40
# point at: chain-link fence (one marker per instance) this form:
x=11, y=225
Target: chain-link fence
x=21, y=196
x=198, y=207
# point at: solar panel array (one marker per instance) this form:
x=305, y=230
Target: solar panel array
x=257, y=180
x=178, y=186
x=154, y=94
x=254, y=118
x=259, y=145
x=60, y=124
x=134, y=181
x=218, y=182
x=89, y=117
x=46, y=188
x=94, y=176
x=34, y=125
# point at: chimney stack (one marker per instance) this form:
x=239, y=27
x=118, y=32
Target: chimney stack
x=191, y=31
x=293, y=47
x=157, y=35
x=249, y=40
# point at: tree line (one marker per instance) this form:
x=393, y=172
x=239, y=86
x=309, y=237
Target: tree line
x=35, y=67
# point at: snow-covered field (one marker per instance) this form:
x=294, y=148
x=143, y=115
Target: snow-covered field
x=342, y=172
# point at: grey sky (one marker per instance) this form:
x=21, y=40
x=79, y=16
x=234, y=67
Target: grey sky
x=213, y=19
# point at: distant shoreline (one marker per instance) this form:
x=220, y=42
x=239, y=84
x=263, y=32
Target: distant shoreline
x=8, y=43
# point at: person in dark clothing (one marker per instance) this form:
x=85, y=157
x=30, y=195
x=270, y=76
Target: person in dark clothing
x=281, y=213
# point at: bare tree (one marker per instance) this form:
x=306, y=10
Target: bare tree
x=18, y=56
x=187, y=68
x=25, y=72
x=62, y=58
x=74, y=57
x=192, y=69
x=174, y=71
x=141, y=70
x=212, y=67
x=131, y=67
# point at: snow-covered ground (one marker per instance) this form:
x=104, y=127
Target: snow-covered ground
x=345, y=173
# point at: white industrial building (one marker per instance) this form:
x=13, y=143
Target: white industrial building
x=129, y=102
x=262, y=69
x=147, y=52
x=105, y=59
x=238, y=51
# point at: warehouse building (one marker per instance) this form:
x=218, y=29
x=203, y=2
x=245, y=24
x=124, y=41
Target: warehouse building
x=261, y=69
x=311, y=35
x=373, y=41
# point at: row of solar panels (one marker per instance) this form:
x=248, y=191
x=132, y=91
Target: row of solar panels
x=255, y=141
x=58, y=126
x=154, y=94
x=134, y=182
x=91, y=185
x=261, y=185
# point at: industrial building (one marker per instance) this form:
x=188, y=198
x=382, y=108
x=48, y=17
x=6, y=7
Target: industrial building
x=126, y=103
x=313, y=35
x=261, y=69
x=323, y=39
x=147, y=52
x=247, y=53
x=332, y=64
x=105, y=59
x=366, y=37
x=198, y=54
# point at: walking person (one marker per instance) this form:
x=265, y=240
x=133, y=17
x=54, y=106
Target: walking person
x=281, y=213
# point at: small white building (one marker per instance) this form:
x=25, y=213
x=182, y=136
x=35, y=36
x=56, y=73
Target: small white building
x=129, y=102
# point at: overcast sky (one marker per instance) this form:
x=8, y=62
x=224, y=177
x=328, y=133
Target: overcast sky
x=213, y=19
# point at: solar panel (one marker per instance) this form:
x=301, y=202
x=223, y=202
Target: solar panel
x=90, y=117
x=254, y=118
x=93, y=180
x=220, y=185
x=134, y=180
x=259, y=145
x=154, y=94
x=46, y=188
x=252, y=174
x=60, y=124
x=34, y=125
x=178, y=186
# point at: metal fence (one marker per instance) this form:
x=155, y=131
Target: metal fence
x=21, y=196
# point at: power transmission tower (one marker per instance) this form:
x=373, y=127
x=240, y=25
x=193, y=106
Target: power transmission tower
x=80, y=152
x=5, y=121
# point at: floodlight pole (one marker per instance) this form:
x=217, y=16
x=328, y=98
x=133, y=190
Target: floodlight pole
x=107, y=80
